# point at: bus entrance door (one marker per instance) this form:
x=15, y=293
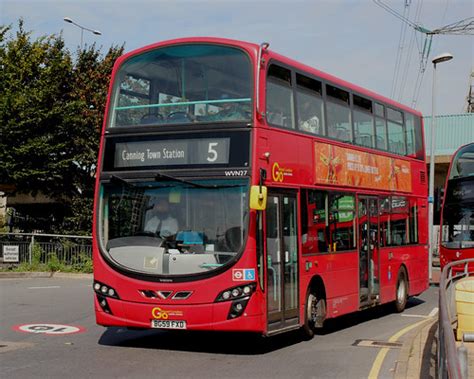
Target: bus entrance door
x=282, y=261
x=368, y=251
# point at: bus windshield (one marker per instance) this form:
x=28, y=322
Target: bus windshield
x=463, y=163
x=182, y=84
x=174, y=228
x=458, y=226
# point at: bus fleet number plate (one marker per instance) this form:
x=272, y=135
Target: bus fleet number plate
x=168, y=324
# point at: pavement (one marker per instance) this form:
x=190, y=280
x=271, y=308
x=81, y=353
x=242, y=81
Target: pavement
x=32, y=274
x=418, y=355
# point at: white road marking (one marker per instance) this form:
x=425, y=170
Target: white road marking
x=420, y=316
x=433, y=313
x=41, y=288
x=50, y=329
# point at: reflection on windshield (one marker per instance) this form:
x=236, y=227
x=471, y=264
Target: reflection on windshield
x=463, y=163
x=183, y=84
x=458, y=226
x=173, y=228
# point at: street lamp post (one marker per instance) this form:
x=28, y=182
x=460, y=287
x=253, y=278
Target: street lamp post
x=439, y=59
x=70, y=21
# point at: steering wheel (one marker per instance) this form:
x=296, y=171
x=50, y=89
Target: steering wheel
x=180, y=115
x=151, y=118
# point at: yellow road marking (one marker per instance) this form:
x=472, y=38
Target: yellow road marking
x=374, y=372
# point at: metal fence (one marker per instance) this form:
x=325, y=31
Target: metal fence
x=452, y=361
x=17, y=248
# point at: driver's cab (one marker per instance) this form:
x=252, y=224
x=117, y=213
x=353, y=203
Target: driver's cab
x=170, y=227
x=159, y=218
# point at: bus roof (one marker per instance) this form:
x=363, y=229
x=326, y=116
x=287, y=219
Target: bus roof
x=252, y=49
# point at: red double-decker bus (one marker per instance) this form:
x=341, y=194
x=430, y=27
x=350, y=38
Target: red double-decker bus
x=457, y=213
x=239, y=190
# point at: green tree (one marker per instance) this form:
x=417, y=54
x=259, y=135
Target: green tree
x=51, y=111
x=91, y=77
x=34, y=96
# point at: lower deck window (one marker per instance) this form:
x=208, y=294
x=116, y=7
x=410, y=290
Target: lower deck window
x=328, y=221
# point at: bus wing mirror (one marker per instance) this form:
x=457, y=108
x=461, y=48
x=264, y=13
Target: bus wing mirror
x=258, y=198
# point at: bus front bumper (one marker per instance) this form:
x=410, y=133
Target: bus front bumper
x=212, y=316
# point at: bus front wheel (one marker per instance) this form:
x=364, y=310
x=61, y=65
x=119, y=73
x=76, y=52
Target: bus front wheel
x=401, y=294
x=314, y=314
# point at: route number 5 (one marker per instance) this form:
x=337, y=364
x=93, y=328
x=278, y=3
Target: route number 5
x=212, y=152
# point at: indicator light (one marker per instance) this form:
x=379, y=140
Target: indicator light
x=238, y=307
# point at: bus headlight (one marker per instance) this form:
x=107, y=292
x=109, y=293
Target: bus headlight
x=236, y=293
x=239, y=296
x=105, y=290
x=226, y=295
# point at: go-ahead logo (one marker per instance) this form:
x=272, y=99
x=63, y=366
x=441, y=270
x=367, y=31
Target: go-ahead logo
x=164, y=314
x=279, y=173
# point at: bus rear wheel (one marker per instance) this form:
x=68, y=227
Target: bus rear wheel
x=401, y=294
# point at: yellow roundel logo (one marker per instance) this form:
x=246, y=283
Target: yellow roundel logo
x=279, y=173
x=163, y=314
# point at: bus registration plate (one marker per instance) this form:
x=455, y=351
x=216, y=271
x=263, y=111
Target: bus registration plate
x=168, y=324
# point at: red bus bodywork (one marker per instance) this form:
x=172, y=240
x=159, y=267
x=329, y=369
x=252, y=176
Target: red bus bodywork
x=335, y=274
x=464, y=197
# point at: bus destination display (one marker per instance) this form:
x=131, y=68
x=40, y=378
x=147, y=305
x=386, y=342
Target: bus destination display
x=200, y=151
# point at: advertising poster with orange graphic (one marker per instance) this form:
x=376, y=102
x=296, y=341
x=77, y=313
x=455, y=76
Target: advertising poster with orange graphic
x=347, y=167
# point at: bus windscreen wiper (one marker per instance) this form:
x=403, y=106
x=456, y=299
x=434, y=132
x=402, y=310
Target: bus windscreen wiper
x=160, y=176
x=118, y=179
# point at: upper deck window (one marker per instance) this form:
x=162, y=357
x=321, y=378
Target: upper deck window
x=396, y=132
x=379, y=110
x=362, y=103
x=413, y=136
x=280, y=109
x=309, y=104
x=363, y=121
x=183, y=84
x=296, y=100
x=338, y=114
x=380, y=127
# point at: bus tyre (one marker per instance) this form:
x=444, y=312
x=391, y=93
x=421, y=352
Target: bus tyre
x=310, y=315
x=401, y=294
x=315, y=314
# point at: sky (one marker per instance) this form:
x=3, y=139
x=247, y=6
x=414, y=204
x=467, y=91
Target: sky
x=355, y=40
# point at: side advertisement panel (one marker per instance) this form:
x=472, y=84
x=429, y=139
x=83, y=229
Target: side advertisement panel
x=348, y=167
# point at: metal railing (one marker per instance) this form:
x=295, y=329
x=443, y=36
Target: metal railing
x=46, y=248
x=451, y=361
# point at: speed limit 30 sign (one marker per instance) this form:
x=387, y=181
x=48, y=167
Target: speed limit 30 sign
x=49, y=329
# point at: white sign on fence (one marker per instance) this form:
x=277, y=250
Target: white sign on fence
x=11, y=253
